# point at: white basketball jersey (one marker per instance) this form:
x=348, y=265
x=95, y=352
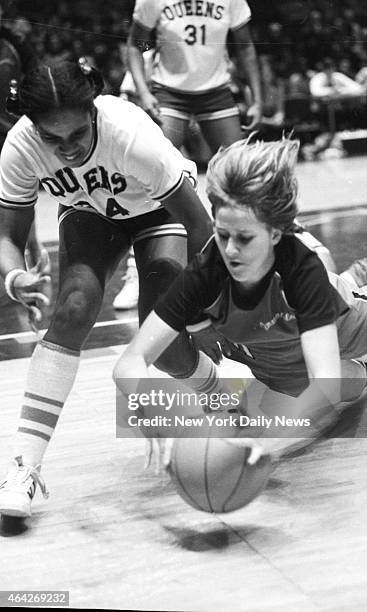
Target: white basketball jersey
x=130, y=170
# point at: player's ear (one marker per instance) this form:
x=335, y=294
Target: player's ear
x=276, y=235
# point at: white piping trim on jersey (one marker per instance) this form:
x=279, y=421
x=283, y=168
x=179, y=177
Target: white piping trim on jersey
x=191, y=178
x=172, y=190
x=276, y=274
x=207, y=243
x=215, y=301
x=195, y=327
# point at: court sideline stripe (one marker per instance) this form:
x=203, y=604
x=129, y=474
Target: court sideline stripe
x=111, y=323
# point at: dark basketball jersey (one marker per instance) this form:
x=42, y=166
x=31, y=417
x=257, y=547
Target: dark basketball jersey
x=297, y=295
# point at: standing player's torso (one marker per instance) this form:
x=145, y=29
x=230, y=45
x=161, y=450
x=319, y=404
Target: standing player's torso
x=191, y=38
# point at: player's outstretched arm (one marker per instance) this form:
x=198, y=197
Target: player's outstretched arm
x=305, y=417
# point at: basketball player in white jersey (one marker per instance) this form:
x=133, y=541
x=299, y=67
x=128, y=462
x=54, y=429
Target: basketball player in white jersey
x=190, y=76
x=190, y=73
x=118, y=181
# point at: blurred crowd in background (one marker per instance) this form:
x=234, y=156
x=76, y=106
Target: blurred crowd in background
x=309, y=51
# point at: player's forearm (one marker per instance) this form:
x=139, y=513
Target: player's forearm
x=187, y=208
x=249, y=71
x=128, y=371
x=11, y=256
x=14, y=231
x=136, y=65
x=301, y=419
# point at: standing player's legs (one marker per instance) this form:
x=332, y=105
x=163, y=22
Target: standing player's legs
x=174, y=128
x=219, y=119
x=222, y=131
x=89, y=248
x=175, y=113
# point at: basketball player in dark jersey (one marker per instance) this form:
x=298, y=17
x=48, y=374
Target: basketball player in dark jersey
x=301, y=329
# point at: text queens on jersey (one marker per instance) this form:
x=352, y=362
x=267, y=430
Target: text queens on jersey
x=66, y=182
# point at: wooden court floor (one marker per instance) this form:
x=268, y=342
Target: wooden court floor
x=119, y=537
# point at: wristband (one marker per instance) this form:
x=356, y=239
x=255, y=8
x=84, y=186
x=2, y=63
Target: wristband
x=9, y=282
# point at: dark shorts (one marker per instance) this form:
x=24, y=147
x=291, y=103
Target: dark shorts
x=211, y=105
x=159, y=222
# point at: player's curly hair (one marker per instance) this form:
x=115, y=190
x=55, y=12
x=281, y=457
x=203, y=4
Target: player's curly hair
x=258, y=175
x=55, y=85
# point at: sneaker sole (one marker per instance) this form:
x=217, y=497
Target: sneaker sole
x=15, y=512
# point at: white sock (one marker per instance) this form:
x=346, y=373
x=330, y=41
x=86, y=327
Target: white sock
x=50, y=378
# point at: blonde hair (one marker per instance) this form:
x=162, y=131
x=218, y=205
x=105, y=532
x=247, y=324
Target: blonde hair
x=258, y=175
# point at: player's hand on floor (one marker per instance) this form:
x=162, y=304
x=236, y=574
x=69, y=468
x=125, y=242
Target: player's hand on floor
x=274, y=447
x=158, y=453
x=212, y=343
x=256, y=448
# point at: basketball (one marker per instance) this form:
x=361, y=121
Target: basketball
x=213, y=475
